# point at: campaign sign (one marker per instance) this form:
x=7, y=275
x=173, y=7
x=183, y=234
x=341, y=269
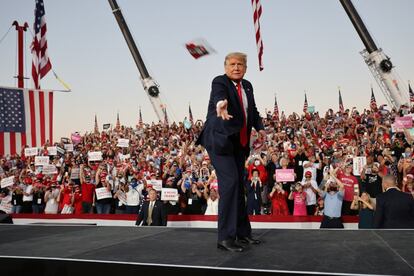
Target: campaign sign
x=123, y=143
x=156, y=184
x=8, y=181
x=358, y=164
x=41, y=160
x=52, y=151
x=30, y=151
x=102, y=193
x=285, y=175
x=95, y=156
x=169, y=194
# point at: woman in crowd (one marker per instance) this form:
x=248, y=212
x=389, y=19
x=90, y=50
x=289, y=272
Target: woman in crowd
x=299, y=200
x=365, y=207
x=278, y=197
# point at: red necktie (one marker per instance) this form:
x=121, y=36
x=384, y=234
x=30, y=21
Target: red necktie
x=243, y=131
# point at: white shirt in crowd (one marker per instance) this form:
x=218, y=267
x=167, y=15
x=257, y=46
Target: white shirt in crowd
x=310, y=195
x=212, y=207
x=28, y=190
x=133, y=196
x=310, y=169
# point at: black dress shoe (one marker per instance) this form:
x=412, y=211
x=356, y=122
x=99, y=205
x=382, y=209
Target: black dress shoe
x=249, y=240
x=229, y=245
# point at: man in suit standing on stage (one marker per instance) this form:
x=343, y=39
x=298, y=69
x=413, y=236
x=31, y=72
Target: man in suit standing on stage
x=394, y=209
x=152, y=212
x=231, y=115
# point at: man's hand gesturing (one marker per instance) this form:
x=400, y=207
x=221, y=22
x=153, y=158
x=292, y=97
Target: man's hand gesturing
x=222, y=110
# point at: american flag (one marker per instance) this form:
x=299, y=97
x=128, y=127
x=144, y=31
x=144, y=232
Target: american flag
x=140, y=117
x=41, y=63
x=96, y=129
x=410, y=91
x=341, y=104
x=118, y=122
x=190, y=114
x=305, y=105
x=257, y=12
x=373, y=103
x=165, y=116
x=26, y=118
x=276, y=111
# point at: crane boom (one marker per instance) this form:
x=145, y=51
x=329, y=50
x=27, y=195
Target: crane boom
x=379, y=64
x=150, y=86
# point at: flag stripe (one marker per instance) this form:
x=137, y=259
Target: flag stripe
x=12, y=137
x=7, y=143
x=42, y=116
x=257, y=12
x=50, y=118
x=2, y=147
x=28, y=134
x=32, y=118
x=37, y=118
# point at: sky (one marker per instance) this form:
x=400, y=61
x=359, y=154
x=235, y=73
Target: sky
x=308, y=45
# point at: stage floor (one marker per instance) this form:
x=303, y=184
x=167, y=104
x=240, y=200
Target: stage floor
x=385, y=252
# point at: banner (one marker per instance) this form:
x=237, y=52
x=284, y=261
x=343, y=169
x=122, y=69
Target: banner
x=94, y=156
x=404, y=122
x=123, y=157
x=75, y=173
x=359, y=163
x=68, y=147
x=123, y=143
x=30, y=151
x=285, y=175
x=41, y=160
x=6, y=205
x=169, y=194
x=60, y=150
x=6, y=182
x=52, y=151
x=156, y=184
x=49, y=169
x=102, y=193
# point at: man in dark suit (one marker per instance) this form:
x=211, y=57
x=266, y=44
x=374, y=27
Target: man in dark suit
x=231, y=115
x=152, y=212
x=394, y=209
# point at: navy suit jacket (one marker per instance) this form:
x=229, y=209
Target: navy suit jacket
x=159, y=215
x=394, y=209
x=219, y=135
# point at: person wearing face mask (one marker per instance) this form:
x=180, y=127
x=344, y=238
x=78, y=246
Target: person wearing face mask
x=333, y=197
x=254, y=189
x=133, y=195
x=372, y=181
x=256, y=163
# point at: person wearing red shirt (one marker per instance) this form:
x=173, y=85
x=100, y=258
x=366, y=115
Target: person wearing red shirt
x=88, y=190
x=345, y=176
x=278, y=196
x=77, y=200
x=257, y=164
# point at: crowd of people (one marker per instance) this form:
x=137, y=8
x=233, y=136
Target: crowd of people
x=318, y=150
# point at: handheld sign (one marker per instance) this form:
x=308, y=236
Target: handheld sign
x=52, y=151
x=41, y=160
x=123, y=143
x=68, y=147
x=95, y=156
x=102, y=193
x=6, y=182
x=285, y=175
x=358, y=164
x=169, y=194
x=30, y=151
x=156, y=184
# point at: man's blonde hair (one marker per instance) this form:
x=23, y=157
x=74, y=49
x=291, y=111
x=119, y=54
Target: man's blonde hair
x=238, y=55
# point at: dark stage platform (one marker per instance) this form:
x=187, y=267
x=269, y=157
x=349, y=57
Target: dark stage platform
x=91, y=250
